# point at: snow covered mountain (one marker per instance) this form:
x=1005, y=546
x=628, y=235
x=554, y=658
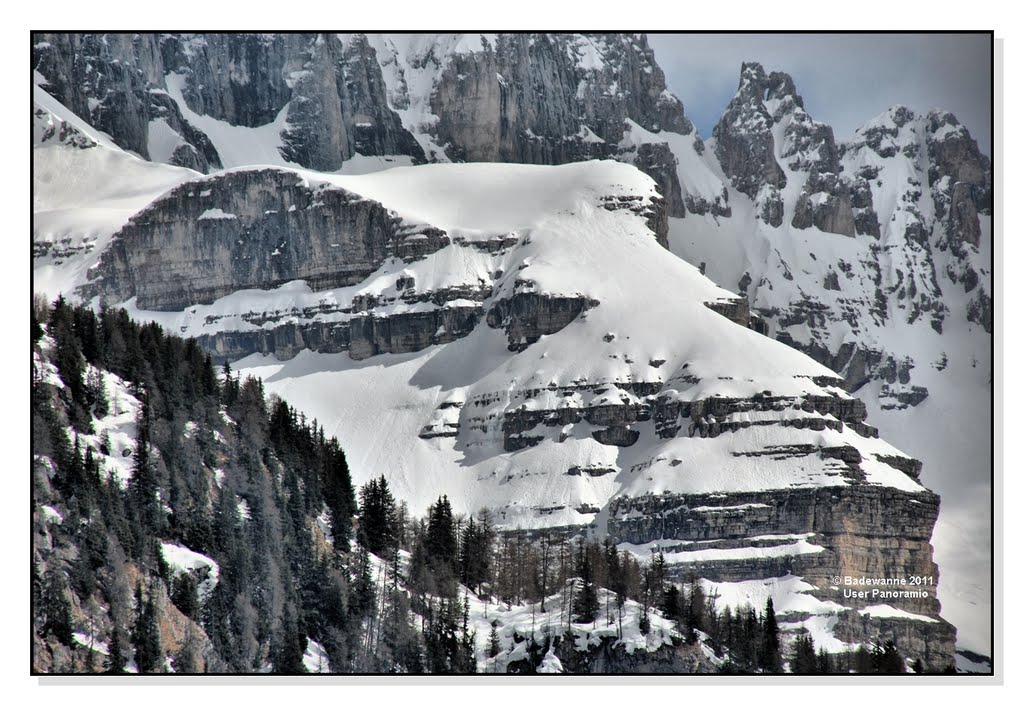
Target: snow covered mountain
x=873, y=257
x=548, y=357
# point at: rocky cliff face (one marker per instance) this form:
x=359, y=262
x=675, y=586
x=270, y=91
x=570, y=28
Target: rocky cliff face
x=744, y=144
x=607, y=657
x=818, y=535
x=330, y=98
x=551, y=99
x=112, y=81
x=332, y=91
x=765, y=124
x=251, y=229
x=912, y=192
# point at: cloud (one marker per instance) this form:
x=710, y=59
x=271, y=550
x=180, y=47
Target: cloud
x=845, y=79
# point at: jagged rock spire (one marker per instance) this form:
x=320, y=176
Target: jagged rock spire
x=743, y=137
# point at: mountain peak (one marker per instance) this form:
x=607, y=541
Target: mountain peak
x=942, y=125
x=895, y=116
x=780, y=87
x=745, y=135
x=758, y=86
x=751, y=72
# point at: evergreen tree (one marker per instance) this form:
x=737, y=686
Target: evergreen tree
x=377, y=517
x=824, y=662
x=804, y=660
x=117, y=661
x=97, y=393
x=863, y=661
x=55, y=606
x=694, y=610
x=185, y=595
x=37, y=328
x=142, y=485
x=585, y=604
x=445, y=651
x=441, y=541
x=890, y=660
x=440, y=547
x=363, y=594
x=38, y=594
x=770, y=657
x=750, y=643
x=670, y=603
x=475, y=554
x=288, y=647
x=229, y=389
x=70, y=363
x=400, y=639
x=146, y=634
x=658, y=572
x=337, y=491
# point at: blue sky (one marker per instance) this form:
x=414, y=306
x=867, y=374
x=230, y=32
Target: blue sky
x=845, y=79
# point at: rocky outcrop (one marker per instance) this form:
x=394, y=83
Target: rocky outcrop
x=929, y=640
x=657, y=161
x=195, y=150
x=551, y=86
x=251, y=229
x=745, y=146
x=334, y=91
x=652, y=210
x=241, y=79
x=817, y=534
x=925, y=171
x=825, y=203
x=617, y=409
x=551, y=99
x=339, y=109
x=526, y=316
x=47, y=127
x=743, y=137
x=960, y=178
x=104, y=79
x=608, y=657
x=770, y=207
x=738, y=311
x=362, y=336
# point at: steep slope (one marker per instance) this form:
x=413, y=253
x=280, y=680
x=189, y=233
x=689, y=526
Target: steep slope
x=910, y=194
x=84, y=189
x=527, y=380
